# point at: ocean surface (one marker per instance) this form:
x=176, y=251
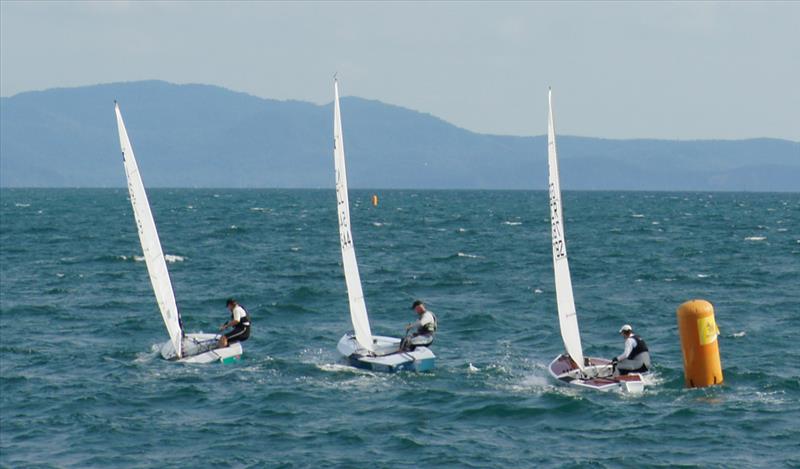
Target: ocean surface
x=83, y=387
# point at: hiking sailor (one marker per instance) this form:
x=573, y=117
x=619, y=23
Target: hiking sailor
x=421, y=331
x=635, y=357
x=240, y=322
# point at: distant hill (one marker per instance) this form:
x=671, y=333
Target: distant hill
x=206, y=136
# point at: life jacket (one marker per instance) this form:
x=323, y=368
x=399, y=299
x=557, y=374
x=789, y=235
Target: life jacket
x=429, y=328
x=641, y=346
x=245, y=320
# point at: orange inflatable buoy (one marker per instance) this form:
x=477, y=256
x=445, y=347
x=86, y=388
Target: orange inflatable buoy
x=699, y=332
x=374, y=200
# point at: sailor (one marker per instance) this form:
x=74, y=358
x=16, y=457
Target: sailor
x=636, y=357
x=240, y=322
x=421, y=331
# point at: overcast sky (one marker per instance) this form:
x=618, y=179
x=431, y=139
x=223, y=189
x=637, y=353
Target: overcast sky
x=618, y=70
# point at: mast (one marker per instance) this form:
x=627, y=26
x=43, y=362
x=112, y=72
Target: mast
x=355, y=294
x=567, y=316
x=148, y=236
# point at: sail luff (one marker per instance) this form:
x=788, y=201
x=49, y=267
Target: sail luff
x=151, y=245
x=567, y=316
x=355, y=293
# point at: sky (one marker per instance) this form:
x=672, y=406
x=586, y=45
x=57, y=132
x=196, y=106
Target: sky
x=684, y=70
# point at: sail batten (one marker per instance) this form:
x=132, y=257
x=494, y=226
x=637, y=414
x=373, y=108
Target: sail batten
x=567, y=316
x=355, y=293
x=151, y=245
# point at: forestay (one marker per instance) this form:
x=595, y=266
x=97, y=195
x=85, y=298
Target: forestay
x=567, y=315
x=151, y=246
x=355, y=294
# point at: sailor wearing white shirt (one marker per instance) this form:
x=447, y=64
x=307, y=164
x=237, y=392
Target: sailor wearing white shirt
x=240, y=322
x=635, y=357
x=422, y=331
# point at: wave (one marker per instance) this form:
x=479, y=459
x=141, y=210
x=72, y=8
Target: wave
x=755, y=238
x=171, y=258
x=470, y=256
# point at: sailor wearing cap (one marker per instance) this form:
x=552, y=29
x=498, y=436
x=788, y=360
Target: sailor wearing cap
x=421, y=331
x=635, y=357
x=240, y=322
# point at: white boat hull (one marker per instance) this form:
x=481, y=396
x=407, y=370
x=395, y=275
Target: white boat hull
x=202, y=348
x=386, y=357
x=598, y=374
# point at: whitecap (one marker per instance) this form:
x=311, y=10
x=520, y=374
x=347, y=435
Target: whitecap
x=21, y=205
x=703, y=275
x=471, y=256
x=60, y=275
x=462, y=230
x=190, y=207
x=755, y=238
x=740, y=334
x=377, y=223
x=655, y=223
x=338, y=367
x=537, y=291
x=637, y=215
x=295, y=248
x=258, y=209
x=171, y=258
x=783, y=229
x=233, y=227
x=512, y=223
x=122, y=258
x=138, y=258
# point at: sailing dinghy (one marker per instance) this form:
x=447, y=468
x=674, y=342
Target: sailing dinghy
x=360, y=348
x=572, y=367
x=182, y=347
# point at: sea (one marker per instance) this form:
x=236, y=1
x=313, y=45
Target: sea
x=83, y=385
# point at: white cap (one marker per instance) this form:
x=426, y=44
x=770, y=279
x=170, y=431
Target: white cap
x=626, y=328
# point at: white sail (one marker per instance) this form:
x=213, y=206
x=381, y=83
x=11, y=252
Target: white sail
x=567, y=316
x=358, y=308
x=151, y=246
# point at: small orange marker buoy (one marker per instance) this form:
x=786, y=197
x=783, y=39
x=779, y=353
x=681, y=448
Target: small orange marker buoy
x=699, y=332
x=374, y=200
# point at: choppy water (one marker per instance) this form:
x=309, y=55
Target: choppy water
x=82, y=386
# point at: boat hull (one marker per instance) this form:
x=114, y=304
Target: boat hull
x=202, y=348
x=597, y=374
x=386, y=357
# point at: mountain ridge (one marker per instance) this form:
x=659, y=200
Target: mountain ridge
x=197, y=135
